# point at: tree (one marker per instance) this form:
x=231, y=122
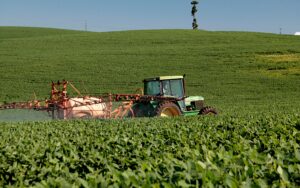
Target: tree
x=194, y=11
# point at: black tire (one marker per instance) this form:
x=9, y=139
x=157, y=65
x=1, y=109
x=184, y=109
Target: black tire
x=208, y=111
x=53, y=112
x=168, y=109
x=141, y=110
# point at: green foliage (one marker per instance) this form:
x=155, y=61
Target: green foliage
x=194, y=2
x=251, y=78
x=243, y=151
x=231, y=70
x=194, y=24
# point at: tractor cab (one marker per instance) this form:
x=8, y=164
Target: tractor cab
x=174, y=87
x=167, y=86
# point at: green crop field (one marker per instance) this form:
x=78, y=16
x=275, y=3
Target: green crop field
x=234, y=151
x=253, y=79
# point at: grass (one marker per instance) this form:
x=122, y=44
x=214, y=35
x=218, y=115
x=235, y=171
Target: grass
x=251, y=78
x=230, y=69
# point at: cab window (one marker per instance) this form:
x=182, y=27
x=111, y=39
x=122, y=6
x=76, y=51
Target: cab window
x=177, y=88
x=152, y=88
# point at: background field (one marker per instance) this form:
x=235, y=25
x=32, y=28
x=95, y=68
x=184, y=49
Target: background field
x=253, y=80
x=233, y=70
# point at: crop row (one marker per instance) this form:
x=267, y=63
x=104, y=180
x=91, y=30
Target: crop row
x=189, y=152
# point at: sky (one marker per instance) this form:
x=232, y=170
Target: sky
x=270, y=16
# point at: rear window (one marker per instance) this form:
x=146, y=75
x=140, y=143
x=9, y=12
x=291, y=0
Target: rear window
x=152, y=88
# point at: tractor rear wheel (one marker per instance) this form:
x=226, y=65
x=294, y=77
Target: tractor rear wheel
x=141, y=110
x=168, y=109
x=208, y=111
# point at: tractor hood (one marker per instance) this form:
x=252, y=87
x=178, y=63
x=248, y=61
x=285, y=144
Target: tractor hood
x=190, y=99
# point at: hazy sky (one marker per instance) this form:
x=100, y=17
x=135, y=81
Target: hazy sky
x=111, y=15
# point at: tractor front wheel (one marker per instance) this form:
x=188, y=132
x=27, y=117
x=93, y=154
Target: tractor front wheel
x=168, y=109
x=208, y=111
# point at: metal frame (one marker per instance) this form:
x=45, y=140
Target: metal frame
x=59, y=98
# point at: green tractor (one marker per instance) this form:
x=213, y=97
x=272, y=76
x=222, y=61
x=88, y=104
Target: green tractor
x=165, y=96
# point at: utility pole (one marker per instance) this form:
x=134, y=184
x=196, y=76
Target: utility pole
x=280, y=30
x=85, y=25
